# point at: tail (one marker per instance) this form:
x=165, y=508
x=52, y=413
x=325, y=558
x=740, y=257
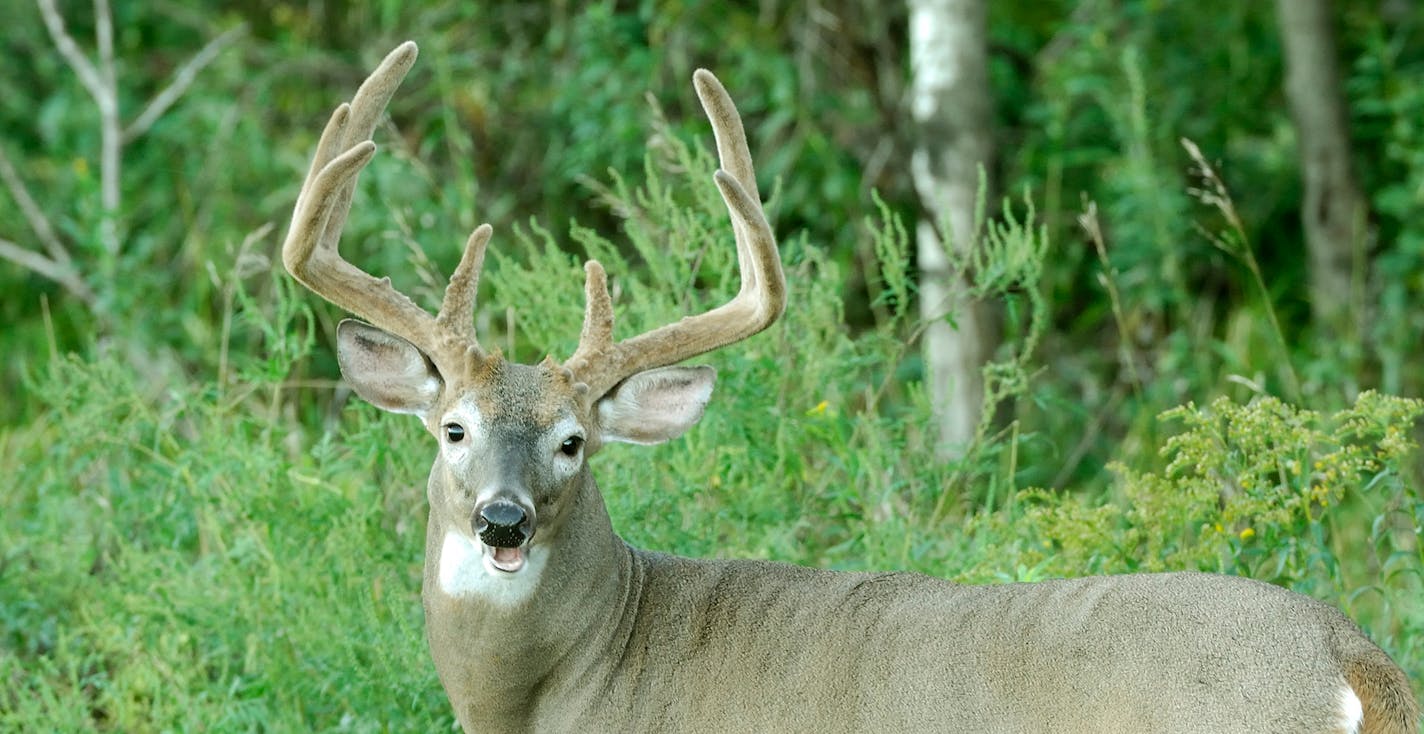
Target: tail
x=1383, y=689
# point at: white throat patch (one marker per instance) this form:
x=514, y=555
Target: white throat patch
x=464, y=574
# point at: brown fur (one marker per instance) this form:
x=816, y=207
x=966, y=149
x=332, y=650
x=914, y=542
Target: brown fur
x=1384, y=690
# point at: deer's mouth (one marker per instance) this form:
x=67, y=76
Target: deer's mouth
x=504, y=528
x=504, y=559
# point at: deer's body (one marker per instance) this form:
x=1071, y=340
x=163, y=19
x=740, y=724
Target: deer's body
x=540, y=618
x=682, y=645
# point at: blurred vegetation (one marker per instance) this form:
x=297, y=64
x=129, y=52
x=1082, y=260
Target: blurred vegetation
x=203, y=531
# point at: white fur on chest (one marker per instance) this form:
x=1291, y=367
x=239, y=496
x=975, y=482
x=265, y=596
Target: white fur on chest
x=464, y=575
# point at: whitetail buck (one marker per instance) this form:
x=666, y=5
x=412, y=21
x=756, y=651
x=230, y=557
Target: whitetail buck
x=540, y=618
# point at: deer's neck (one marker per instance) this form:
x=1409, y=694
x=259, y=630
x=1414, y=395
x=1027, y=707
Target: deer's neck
x=500, y=648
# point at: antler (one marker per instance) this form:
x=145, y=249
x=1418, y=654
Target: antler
x=310, y=252
x=602, y=364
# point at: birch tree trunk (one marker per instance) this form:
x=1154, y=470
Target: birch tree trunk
x=950, y=106
x=1332, y=208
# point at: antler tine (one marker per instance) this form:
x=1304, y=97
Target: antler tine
x=370, y=101
x=464, y=285
x=311, y=249
x=596, y=338
x=602, y=364
x=732, y=151
x=731, y=137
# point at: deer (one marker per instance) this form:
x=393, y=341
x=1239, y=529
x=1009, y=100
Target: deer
x=539, y=617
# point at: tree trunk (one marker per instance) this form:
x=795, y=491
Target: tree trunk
x=1332, y=209
x=951, y=110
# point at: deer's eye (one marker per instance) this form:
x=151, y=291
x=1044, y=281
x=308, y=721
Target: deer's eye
x=571, y=445
x=454, y=432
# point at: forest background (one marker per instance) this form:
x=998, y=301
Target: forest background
x=204, y=530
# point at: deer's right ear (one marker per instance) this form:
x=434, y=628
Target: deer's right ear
x=386, y=370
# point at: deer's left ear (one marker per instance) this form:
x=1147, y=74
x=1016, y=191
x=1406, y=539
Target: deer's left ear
x=386, y=370
x=656, y=405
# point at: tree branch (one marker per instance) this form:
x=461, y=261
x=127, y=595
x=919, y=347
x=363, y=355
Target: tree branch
x=182, y=79
x=36, y=216
x=104, y=39
x=110, y=131
x=62, y=274
x=82, y=67
x=58, y=267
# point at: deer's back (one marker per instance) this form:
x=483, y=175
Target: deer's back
x=749, y=645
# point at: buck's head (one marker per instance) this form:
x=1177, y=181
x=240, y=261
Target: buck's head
x=514, y=439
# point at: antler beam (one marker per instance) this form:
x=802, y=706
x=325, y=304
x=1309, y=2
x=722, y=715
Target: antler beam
x=310, y=251
x=601, y=363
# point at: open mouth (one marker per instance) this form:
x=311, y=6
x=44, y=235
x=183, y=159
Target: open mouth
x=503, y=560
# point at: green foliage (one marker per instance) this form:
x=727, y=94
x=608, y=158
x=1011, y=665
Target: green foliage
x=200, y=532
x=1006, y=264
x=202, y=557
x=1387, y=102
x=171, y=563
x=1248, y=489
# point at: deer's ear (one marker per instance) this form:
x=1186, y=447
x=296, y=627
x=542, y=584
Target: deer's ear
x=656, y=405
x=385, y=369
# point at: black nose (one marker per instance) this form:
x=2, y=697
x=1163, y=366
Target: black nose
x=501, y=524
